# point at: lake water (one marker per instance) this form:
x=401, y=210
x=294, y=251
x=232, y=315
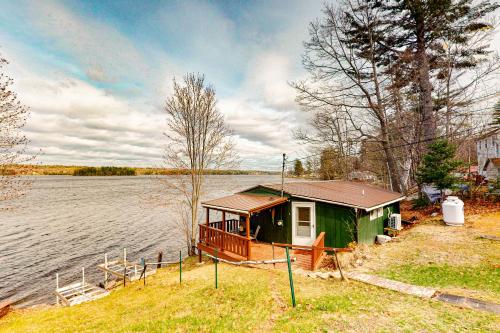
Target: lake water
x=66, y=223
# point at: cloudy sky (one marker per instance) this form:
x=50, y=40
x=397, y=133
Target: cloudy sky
x=96, y=73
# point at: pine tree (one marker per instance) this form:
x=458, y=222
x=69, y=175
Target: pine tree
x=438, y=165
x=421, y=33
x=298, y=169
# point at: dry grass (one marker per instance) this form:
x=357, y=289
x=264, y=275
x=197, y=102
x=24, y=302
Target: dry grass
x=454, y=259
x=250, y=300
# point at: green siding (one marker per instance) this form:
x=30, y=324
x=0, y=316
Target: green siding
x=337, y=222
x=269, y=231
x=368, y=230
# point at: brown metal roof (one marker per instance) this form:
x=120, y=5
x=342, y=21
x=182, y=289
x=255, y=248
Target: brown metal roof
x=244, y=203
x=344, y=193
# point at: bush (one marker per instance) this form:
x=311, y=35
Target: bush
x=421, y=202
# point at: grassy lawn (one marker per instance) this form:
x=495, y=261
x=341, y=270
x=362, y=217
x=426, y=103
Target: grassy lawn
x=249, y=299
x=452, y=259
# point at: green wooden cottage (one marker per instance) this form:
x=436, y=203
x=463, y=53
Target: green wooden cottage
x=344, y=211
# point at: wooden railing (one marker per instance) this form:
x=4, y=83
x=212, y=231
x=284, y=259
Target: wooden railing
x=232, y=225
x=317, y=251
x=225, y=241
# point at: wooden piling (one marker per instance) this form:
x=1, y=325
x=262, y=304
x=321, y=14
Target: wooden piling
x=160, y=257
x=106, y=272
x=57, y=287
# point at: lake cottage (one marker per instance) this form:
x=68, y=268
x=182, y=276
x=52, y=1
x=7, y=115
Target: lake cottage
x=309, y=214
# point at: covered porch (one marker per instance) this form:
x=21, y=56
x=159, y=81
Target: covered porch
x=232, y=236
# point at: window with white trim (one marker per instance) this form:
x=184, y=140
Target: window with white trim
x=376, y=213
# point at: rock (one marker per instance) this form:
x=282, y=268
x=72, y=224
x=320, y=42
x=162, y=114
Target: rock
x=382, y=239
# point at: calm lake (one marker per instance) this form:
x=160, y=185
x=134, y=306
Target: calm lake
x=66, y=223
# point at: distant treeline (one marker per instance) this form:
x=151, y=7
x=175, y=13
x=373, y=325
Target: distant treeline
x=68, y=170
x=104, y=171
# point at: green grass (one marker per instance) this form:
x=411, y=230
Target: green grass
x=249, y=300
x=486, y=278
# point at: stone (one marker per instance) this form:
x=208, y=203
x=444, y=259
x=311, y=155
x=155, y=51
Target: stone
x=382, y=239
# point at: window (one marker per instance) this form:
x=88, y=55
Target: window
x=376, y=213
x=303, y=221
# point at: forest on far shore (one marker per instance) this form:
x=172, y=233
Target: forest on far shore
x=72, y=170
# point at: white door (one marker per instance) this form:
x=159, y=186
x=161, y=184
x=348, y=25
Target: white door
x=303, y=223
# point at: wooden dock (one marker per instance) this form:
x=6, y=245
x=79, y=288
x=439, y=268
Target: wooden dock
x=125, y=269
x=78, y=292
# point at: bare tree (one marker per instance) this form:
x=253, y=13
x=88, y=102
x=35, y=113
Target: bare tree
x=13, y=143
x=197, y=140
x=343, y=59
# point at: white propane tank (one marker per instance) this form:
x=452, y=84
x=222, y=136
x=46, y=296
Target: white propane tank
x=453, y=211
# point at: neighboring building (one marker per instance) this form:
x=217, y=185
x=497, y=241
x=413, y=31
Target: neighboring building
x=339, y=211
x=366, y=176
x=492, y=168
x=488, y=147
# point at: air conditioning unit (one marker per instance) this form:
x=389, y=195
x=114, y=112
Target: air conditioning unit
x=395, y=221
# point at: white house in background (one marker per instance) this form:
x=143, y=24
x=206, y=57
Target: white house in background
x=488, y=154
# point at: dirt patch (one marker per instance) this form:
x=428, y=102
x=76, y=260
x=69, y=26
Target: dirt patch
x=471, y=207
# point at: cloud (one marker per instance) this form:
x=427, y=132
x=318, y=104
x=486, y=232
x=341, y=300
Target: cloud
x=96, y=89
x=71, y=117
x=104, y=52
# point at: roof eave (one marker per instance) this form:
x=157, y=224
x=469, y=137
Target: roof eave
x=226, y=209
x=385, y=203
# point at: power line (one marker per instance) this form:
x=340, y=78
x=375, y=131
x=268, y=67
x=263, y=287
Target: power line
x=391, y=147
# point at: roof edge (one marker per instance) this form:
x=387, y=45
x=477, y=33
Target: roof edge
x=332, y=202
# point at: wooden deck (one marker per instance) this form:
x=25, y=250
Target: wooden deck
x=264, y=251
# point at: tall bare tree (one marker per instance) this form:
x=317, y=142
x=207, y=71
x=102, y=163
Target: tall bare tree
x=343, y=59
x=197, y=140
x=13, y=143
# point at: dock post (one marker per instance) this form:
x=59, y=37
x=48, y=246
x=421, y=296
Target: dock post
x=106, y=272
x=125, y=256
x=83, y=280
x=57, y=287
x=180, y=267
x=160, y=258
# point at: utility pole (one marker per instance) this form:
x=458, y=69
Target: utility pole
x=283, y=174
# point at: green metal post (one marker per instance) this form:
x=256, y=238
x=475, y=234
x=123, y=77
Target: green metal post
x=292, y=290
x=180, y=267
x=216, y=260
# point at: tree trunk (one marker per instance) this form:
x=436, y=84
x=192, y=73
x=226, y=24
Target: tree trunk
x=424, y=83
x=391, y=161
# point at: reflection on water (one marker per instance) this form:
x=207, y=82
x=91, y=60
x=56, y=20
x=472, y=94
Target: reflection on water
x=65, y=223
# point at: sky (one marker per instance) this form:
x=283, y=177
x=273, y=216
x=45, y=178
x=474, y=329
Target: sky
x=96, y=74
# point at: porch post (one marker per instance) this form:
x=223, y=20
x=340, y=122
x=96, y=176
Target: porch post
x=207, y=217
x=223, y=229
x=249, y=245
